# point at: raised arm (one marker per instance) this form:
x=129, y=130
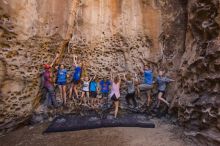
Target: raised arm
x=75, y=60
x=124, y=76
x=168, y=80
x=111, y=77
x=119, y=77
x=135, y=79
x=93, y=78
x=54, y=60
x=140, y=70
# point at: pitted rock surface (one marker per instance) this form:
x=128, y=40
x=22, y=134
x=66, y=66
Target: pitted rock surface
x=119, y=36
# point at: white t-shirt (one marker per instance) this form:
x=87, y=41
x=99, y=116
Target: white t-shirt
x=85, y=86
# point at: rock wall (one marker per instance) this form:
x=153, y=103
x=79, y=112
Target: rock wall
x=31, y=32
x=198, y=84
x=114, y=35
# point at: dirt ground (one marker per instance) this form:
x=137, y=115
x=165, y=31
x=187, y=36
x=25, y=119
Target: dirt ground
x=163, y=135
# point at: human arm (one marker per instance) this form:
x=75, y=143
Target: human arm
x=93, y=78
x=140, y=70
x=111, y=77
x=99, y=87
x=54, y=60
x=119, y=77
x=135, y=79
x=75, y=60
x=68, y=74
x=124, y=76
x=166, y=79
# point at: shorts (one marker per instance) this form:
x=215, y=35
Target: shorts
x=75, y=82
x=130, y=95
x=145, y=87
x=93, y=94
x=104, y=95
x=61, y=83
x=114, y=98
x=85, y=90
x=161, y=91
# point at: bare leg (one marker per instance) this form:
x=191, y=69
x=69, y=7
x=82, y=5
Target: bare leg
x=116, y=108
x=83, y=97
x=64, y=93
x=148, y=98
x=87, y=97
x=71, y=91
x=162, y=99
x=76, y=91
x=158, y=102
x=61, y=93
x=138, y=91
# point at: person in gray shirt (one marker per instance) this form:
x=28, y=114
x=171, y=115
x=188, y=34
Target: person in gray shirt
x=162, y=82
x=130, y=82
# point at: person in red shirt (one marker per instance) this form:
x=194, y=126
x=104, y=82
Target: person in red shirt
x=48, y=84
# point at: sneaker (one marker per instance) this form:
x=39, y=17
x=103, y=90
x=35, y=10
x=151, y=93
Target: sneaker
x=130, y=106
x=136, y=107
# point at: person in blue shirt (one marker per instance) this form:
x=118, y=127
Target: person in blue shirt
x=93, y=86
x=147, y=84
x=162, y=82
x=76, y=76
x=104, y=88
x=61, y=82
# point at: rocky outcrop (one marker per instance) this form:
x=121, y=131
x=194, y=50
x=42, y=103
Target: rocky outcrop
x=114, y=35
x=22, y=53
x=198, y=76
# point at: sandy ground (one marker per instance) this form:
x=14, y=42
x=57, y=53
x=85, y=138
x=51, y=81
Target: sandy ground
x=163, y=135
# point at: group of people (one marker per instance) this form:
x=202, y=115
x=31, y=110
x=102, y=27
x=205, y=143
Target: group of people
x=108, y=88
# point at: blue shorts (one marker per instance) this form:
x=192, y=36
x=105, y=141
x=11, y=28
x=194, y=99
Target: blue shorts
x=76, y=82
x=105, y=94
x=61, y=83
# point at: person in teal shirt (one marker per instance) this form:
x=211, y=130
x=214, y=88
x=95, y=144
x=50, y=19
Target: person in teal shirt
x=93, y=87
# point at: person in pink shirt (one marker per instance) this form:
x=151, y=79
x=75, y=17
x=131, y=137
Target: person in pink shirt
x=115, y=92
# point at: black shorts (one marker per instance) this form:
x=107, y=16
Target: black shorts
x=93, y=94
x=130, y=95
x=104, y=95
x=114, y=98
x=160, y=91
x=75, y=82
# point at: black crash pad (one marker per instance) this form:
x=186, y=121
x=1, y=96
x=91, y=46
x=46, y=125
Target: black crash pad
x=75, y=123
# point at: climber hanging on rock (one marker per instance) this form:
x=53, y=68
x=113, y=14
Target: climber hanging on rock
x=49, y=84
x=77, y=73
x=162, y=81
x=148, y=83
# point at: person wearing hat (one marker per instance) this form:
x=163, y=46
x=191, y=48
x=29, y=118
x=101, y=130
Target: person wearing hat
x=48, y=84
